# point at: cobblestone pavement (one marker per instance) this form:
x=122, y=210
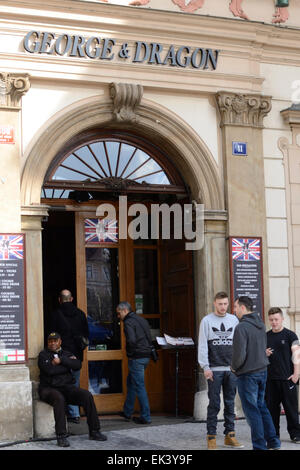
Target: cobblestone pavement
x=164, y=434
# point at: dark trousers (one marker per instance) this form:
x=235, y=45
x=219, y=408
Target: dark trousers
x=72, y=395
x=227, y=381
x=285, y=392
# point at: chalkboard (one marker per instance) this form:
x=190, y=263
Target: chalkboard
x=246, y=270
x=13, y=338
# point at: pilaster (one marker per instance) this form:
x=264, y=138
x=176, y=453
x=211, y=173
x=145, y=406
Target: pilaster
x=291, y=154
x=241, y=120
x=12, y=88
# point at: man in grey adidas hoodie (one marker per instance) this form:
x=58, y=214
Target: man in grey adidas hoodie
x=249, y=363
x=214, y=356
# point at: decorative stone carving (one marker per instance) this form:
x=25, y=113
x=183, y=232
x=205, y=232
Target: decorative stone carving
x=12, y=88
x=126, y=98
x=243, y=109
x=190, y=6
x=117, y=183
x=235, y=7
x=139, y=2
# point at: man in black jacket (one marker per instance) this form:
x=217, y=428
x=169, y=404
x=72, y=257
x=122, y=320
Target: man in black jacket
x=249, y=363
x=57, y=388
x=71, y=323
x=138, y=348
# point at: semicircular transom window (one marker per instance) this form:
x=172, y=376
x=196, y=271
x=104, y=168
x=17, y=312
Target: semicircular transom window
x=106, y=165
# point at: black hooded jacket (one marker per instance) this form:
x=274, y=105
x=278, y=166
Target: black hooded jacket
x=70, y=322
x=249, y=345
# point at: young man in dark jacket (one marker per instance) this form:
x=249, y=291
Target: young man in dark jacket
x=57, y=388
x=249, y=363
x=138, y=348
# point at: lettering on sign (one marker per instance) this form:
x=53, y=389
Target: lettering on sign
x=13, y=342
x=7, y=135
x=95, y=47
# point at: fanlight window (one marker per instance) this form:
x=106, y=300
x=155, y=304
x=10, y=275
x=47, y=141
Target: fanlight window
x=103, y=165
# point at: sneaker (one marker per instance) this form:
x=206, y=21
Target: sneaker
x=211, y=442
x=73, y=419
x=97, y=436
x=296, y=440
x=62, y=441
x=140, y=420
x=127, y=418
x=231, y=441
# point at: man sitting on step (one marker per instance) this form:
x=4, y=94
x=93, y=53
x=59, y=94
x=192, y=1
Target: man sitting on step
x=57, y=389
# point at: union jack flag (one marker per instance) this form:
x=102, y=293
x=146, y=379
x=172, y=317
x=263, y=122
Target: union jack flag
x=246, y=249
x=99, y=231
x=11, y=246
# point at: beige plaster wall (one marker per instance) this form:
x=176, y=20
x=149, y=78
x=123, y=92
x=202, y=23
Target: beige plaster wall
x=256, y=10
x=280, y=82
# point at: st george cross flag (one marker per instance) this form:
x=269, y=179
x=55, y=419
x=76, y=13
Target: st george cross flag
x=11, y=247
x=101, y=231
x=246, y=249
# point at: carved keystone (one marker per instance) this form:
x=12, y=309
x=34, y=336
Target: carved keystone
x=126, y=98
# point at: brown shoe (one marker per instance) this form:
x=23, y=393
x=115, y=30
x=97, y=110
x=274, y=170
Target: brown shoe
x=211, y=442
x=231, y=441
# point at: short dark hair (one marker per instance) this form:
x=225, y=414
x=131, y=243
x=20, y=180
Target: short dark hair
x=246, y=301
x=124, y=306
x=274, y=310
x=221, y=295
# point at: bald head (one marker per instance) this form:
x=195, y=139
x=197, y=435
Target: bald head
x=65, y=296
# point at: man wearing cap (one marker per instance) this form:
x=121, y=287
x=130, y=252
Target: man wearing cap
x=57, y=388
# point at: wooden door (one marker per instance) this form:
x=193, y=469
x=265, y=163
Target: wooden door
x=132, y=273
x=101, y=283
x=157, y=279
x=178, y=321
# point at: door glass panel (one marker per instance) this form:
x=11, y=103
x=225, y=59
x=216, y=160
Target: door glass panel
x=146, y=281
x=102, y=281
x=105, y=377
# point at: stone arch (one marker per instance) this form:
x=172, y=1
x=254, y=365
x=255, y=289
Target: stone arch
x=189, y=153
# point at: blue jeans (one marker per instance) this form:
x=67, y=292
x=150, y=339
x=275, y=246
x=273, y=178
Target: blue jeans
x=225, y=380
x=73, y=410
x=251, y=388
x=136, y=387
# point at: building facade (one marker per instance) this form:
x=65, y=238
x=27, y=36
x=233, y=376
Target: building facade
x=160, y=102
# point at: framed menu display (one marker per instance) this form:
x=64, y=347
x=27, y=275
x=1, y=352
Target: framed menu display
x=246, y=270
x=13, y=338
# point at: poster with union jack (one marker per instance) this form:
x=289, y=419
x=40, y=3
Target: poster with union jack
x=13, y=338
x=101, y=231
x=246, y=249
x=11, y=247
x=246, y=271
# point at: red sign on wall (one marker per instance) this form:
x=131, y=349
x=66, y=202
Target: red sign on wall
x=7, y=135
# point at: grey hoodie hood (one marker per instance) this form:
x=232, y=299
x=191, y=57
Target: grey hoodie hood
x=249, y=345
x=254, y=319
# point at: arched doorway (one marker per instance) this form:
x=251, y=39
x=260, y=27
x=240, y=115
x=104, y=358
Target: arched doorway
x=89, y=257
x=181, y=157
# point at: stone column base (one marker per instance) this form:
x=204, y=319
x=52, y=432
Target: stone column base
x=43, y=416
x=201, y=403
x=15, y=403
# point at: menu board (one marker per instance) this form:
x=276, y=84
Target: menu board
x=246, y=270
x=12, y=299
